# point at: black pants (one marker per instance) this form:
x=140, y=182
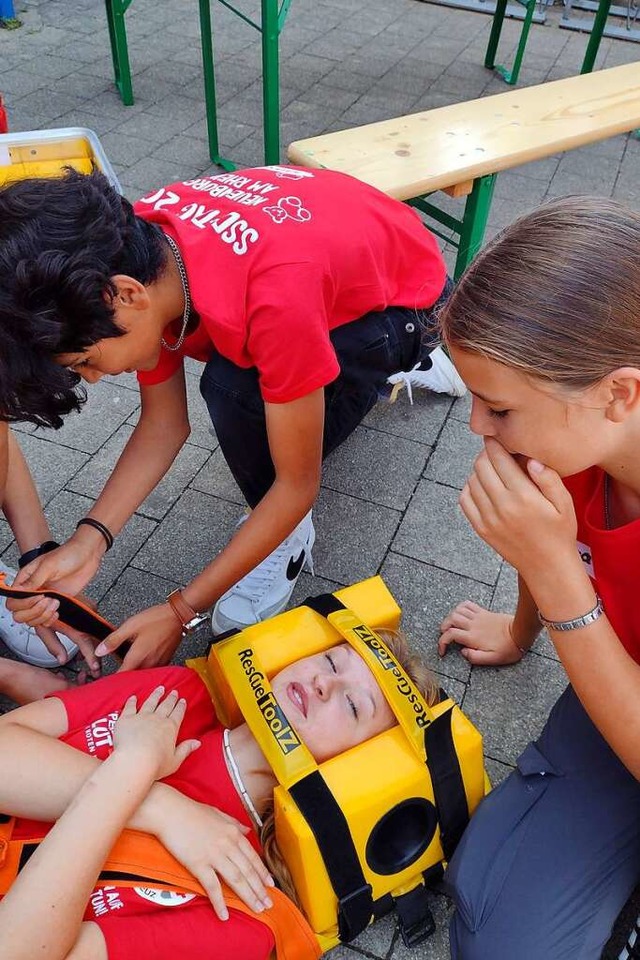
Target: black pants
x=368, y=351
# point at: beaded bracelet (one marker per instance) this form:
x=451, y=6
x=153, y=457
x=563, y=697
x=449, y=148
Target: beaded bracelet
x=100, y=527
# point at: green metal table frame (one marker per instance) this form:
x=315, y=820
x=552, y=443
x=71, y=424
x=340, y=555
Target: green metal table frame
x=466, y=234
x=511, y=76
x=270, y=26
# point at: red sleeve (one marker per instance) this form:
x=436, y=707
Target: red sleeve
x=108, y=695
x=173, y=933
x=288, y=331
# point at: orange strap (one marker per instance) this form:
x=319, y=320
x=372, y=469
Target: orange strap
x=144, y=856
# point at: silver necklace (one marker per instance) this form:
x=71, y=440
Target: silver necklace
x=234, y=773
x=187, y=296
x=607, y=514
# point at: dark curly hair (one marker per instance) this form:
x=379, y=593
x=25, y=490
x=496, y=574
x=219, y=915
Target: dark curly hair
x=61, y=242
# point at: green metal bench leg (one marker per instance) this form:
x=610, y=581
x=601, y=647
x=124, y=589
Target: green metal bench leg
x=474, y=222
x=599, y=23
x=494, y=36
x=208, y=67
x=270, y=81
x=119, y=49
x=509, y=76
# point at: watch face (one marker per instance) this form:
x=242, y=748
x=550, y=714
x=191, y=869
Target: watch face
x=196, y=621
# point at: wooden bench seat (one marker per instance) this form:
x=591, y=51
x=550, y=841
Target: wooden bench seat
x=460, y=148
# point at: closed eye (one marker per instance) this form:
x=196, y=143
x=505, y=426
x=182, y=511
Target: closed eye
x=331, y=661
x=498, y=414
x=352, y=706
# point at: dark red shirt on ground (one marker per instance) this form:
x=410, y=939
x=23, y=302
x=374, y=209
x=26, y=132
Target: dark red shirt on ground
x=141, y=922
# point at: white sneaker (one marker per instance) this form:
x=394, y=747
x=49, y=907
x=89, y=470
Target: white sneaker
x=266, y=589
x=441, y=377
x=23, y=640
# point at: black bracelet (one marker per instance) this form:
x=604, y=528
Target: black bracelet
x=30, y=555
x=100, y=527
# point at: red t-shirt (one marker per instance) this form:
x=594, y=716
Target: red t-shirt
x=145, y=923
x=277, y=257
x=610, y=557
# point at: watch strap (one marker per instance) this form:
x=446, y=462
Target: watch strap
x=183, y=610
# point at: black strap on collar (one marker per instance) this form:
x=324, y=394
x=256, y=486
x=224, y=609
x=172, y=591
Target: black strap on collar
x=329, y=826
x=448, y=785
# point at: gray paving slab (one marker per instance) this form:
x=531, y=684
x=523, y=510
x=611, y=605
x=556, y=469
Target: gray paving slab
x=453, y=458
x=63, y=513
x=309, y=585
x=342, y=62
x=352, y=536
x=426, y=594
x=216, y=479
x=90, y=479
x=437, y=946
x=52, y=466
x=497, y=771
x=376, y=467
x=434, y=530
x=422, y=421
x=108, y=405
x=6, y=536
x=192, y=533
x=510, y=704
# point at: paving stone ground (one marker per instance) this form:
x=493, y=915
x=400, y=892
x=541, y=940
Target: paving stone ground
x=344, y=62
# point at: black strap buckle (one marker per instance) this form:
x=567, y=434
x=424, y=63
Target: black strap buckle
x=415, y=919
x=354, y=913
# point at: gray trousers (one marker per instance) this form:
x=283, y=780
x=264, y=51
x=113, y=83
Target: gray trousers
x=552, y=854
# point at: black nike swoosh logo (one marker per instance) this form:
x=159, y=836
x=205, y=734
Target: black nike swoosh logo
x=295, y=566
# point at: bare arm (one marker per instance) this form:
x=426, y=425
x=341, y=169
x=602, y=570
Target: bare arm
x=526, y=625
x=295, y=438
x=40, y=776
x=153, y=446
x=530, y=520
x=42, y=912
x=21, y=503
x=295, y=432
x=600, y=670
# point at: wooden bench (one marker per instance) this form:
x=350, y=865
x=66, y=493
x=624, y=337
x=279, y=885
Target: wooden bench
x=461, y=148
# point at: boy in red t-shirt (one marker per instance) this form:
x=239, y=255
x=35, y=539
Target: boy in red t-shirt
x=301, y=291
